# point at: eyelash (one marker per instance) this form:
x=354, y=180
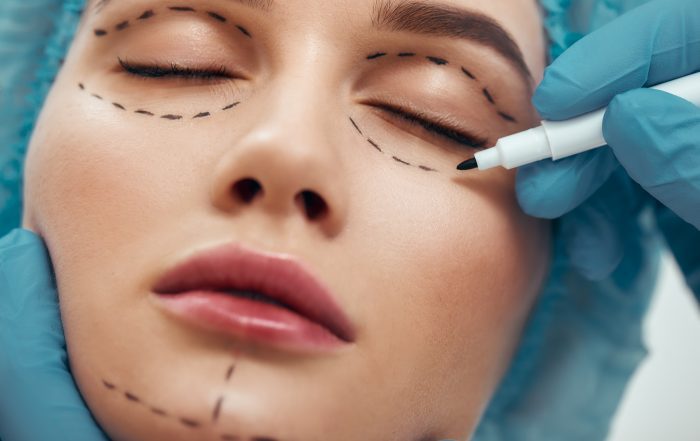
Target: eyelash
x=175, y=70
x=436, y=129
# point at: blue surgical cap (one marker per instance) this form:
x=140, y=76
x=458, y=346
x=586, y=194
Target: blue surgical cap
x=582, y=341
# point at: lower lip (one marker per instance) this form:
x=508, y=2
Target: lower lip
x=248, y=319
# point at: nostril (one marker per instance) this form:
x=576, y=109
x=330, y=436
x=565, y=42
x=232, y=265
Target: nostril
x=247, y=189
x=314, y=205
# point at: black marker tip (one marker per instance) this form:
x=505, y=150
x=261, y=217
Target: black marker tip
x=469, y=164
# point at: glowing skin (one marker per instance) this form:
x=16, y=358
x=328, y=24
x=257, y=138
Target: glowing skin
x=437, y=270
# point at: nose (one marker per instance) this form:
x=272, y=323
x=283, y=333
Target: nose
x=285, y=164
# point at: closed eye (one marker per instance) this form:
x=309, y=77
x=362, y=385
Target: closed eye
x=174, y=70
x=435, y=129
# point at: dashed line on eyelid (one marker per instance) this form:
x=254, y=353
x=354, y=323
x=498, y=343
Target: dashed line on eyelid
x=488, y=96
x=437, y=60
x=216, y=16
x=376, y=55
x=244, y=31
x=182, y=8
x=146, y=15
x=441, y=62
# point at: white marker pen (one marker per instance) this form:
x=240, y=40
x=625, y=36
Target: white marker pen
x=559, y=139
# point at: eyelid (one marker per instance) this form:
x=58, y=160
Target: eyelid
x=417, y=117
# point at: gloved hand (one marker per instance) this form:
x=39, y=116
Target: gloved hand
x=38, y=397
x=653, y=136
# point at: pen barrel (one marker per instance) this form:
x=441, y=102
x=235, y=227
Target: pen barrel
x=585, y=132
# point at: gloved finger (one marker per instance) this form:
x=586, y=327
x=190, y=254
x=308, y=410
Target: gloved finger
x=684, y=242
x=599, y=230
x=652, y=44
x=550, y=189
x=39, y=400
x=656, y=138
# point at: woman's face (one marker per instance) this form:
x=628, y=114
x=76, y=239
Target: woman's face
x=326, y=133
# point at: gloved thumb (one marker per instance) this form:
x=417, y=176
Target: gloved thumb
x=39, y=399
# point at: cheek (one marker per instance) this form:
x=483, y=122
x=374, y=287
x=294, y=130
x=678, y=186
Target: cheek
x=463, y=265
x=98, y=187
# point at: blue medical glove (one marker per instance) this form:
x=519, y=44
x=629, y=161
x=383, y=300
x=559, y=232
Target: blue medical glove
x=654, y=138
x=38, y=397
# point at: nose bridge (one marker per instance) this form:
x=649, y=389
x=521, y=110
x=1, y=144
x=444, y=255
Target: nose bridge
x=285, y=161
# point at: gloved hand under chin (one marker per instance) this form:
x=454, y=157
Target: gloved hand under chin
x=654, y=139
x=40, y=400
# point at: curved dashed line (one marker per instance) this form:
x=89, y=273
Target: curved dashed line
x=146, y=15
x=167, y=116
x=182, y=8
x=374, y=144
x=149, y=13
x=442, y=62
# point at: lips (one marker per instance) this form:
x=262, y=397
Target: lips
x=268, y=297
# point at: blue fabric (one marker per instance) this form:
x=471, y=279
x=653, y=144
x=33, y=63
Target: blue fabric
x=580, y=346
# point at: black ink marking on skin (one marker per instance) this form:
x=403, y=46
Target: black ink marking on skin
x=216, y=16
x=182, y=8
x=371, y=142
x=436, y=60
x=158, y=411
x=108, y=385
x=190, y=422
x=168, y=116
x=131, y=397
x=244, y=31
x=121, y=26
x=100, y=32
x=374, y=144
x=507, y=117
x=354, y=124
x=441, y=62
x=400, y=160
x=468, y=73
x=146, y=15
x=263, y=438
x=488, y=96
x=229, y=372
x=376, y=55
x=217, y=409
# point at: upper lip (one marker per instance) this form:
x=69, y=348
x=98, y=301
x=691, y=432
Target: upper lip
x=278, y=276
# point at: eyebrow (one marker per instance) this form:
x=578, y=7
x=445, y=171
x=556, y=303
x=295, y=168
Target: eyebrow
x=448, y=21
x=264, y=5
